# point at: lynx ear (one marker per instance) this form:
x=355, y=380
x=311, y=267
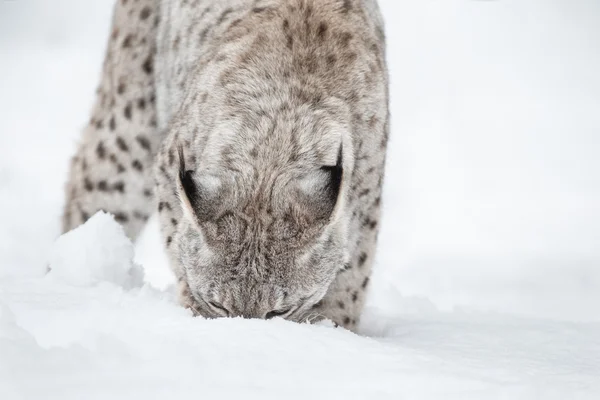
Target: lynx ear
x=199, y=196
x=320, y=192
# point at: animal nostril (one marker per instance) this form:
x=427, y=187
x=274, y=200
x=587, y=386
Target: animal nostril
x=219, y=307
x=277, y=313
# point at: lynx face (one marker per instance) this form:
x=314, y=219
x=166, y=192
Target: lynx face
x=264, y=242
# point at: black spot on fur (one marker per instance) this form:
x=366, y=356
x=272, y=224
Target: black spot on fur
x=141, y=103
x=112, y=124
x=345, y=38
x=143, y=142
x=127, y=111
x=322, y=30
x=121, y=88
x=174, y=221
x=346, y=320
x=362, y=258
x=127, y=41
x=365, y=283
x=364, y=193
x=102, y=186
x=341, y=305
x=121, y=217
x=101, y=151
x=147, y=192
x=119, y=186
x=346, y=6
x=164, y=206
x=224, y=15
x=136, y=164
x=203, y=35
x=122, y=145
x=148, y=65
x=169, y=240
x=88, y=185
x=354, y=297
x=145, y=13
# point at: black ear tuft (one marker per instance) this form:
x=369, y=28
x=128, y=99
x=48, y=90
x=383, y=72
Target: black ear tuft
x=334, y=181
x=187, y=183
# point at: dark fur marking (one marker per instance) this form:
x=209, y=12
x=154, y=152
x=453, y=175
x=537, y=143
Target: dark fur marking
x=346, y=6
x=224, y=15
x=322, y=30
x=145, y=13
x=101, y=151
x=88, y=185
x=119, y=186
x=171, y=157
x=143, y=142
x=121, y=217
x=127, y=111
x=122, y=145
x=136, y=164
x=148, y=65
x=127, y=41
x=362, y=258
x=365, y=283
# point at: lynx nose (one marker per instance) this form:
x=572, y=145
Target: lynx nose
x=250, y=312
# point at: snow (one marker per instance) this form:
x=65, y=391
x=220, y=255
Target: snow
x=98, y=251
x=488, y=277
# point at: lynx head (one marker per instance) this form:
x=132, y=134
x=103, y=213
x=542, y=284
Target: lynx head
x=264, y=230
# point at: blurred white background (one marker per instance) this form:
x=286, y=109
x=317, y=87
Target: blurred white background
x=492, y=197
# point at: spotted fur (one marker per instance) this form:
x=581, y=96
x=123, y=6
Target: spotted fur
x=257, y=129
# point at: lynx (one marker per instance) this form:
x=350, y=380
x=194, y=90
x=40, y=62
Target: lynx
x=257, y=129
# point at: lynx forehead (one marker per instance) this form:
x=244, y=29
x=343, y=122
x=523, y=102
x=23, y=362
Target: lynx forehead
x=258, y=131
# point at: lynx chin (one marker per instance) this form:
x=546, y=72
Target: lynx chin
x=258, y=130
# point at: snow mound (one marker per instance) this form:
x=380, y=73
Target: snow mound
x=98, y=251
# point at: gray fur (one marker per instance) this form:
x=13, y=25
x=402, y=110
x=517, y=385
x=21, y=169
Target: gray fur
x=259, y=107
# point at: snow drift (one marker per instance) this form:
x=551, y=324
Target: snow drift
x=487, y=280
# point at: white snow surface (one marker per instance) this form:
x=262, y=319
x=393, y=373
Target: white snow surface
x=98, y=251
x=487, y=282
